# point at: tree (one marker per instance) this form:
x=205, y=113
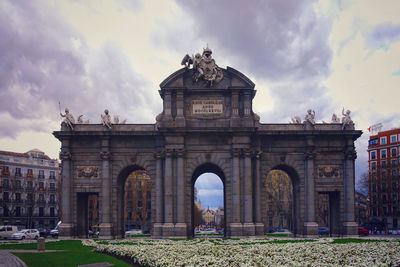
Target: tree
x=362, y=184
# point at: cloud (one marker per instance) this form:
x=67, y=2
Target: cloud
x=282, y=45
x=45, y=60
x=209, y=181
x=383, y=35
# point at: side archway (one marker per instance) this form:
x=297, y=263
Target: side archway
x=134, y=201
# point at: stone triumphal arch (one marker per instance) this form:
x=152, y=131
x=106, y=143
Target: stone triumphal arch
x=207, y=125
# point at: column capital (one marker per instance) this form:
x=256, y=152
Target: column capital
x=105, y=155
x=309, y=155
x=65, y=155
x=169, y=152
x=350, y=154
x=159, y=154
x=248, y=152
x=180, y=153
x=236, y=152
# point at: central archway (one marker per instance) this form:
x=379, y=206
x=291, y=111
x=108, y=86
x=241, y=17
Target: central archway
x=282, y=199
x=213, y=219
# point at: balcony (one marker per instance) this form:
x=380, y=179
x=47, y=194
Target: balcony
x=52, y=190
x=41, y=202
x=52, y=202
x=41, y=176
x=29, y=202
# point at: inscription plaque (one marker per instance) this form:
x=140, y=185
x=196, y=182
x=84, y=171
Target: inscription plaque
x=207, y=106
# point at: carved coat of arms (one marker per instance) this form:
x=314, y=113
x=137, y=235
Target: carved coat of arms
x=204, y=67
x=87, y=171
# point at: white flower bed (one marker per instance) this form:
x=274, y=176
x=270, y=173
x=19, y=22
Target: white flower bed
x=253, y=252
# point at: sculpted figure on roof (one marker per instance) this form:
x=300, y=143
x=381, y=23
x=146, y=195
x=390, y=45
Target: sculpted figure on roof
x=204, y=67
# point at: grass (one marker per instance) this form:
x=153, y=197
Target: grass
x=73, y=254
x=355, y=240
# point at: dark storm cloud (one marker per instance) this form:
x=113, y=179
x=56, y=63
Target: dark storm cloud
x=281, y=42
x=44, y=60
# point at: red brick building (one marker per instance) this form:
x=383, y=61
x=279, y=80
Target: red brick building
x=383, y=162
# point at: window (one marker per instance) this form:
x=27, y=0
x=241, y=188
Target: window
x=383, y=153
x=41, y=211
x=395, y=162
x=17, y=211
x=52, y=186
x=5, y=170
x=41, y=174
x=373, y=165
x=383, y=140
x=29, y=173
x=6, y=197
x=18, y=197
x=383, y=165
x=393, y=152
x=383, y=198
x=52, y=213
x=52, y=175
x=374, y=187
x=41, y=185
x=373, y=142
x=29, y=197
x=18, y=172
x=29, y=185
x=6, y=184
x=41, y=197
x=18, y=184
x=52, y=198
x=393, y=138
x=373, y=154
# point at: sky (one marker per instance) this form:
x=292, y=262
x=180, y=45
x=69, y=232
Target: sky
x=96, y=54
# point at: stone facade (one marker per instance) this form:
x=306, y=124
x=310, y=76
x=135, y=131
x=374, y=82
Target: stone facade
x=209, y=128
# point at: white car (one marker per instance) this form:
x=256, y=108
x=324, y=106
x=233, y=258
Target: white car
x=133, y=232
x=26, y=234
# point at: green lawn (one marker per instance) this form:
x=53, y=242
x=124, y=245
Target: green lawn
x=74, y=254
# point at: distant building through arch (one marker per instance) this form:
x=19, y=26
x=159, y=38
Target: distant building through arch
x=208, y=125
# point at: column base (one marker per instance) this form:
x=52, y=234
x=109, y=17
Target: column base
x=66, y=230
x=311, y=229
x=168, y=230
x=157, y=230
x=106, y=230
x=236, y=229
x=249, y=229
x=259, y=229
x=180, y=229
x=350, y=228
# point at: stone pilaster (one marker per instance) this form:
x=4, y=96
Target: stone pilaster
x=349, y=225
x=236, y=226
x=248, y=225
x=310, y=225
x=180, y=119
x=180, y=226
x=167, y=105
x=168, y=226
x=158, y=218
x=67, y=225
x=106, y=226
x=259, y=226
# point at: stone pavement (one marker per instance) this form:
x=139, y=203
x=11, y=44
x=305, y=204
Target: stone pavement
x=7, y=259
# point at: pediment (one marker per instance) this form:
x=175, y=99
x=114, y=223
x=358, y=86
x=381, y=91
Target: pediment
x=183, y=78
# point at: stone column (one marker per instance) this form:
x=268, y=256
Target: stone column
x=310, y=225
x=236, y=224
x=259, y=226
x=180, y=226
x=248, y=226
x=168, y=226
x=167, y=104
x=67, y=225
x=350, y=226
x=158, y=218
x=180, y=119
x=106, y=226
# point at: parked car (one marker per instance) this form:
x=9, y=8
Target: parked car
x=363, y=231
x=54, y=233
x=133, y=232
x=26, y=234
x=92, y=233
x=44, y=232
x=6, y=231
x=323, y=231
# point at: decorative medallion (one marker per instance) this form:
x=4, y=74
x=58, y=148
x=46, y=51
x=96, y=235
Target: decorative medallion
x=87, y=172
x=328, y=171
